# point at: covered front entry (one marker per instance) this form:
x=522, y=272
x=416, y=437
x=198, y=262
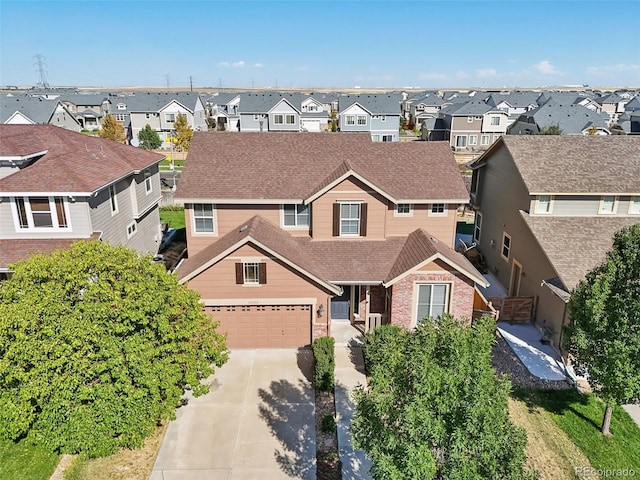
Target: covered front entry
x=340, y=305
x=264, y=326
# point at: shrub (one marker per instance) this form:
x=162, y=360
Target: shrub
x=328, y=424
x=323, y=353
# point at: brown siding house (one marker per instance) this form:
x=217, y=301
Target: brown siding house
x=287, y=233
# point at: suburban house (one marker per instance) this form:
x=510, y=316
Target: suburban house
x=473, y=126
x=289, y=232
x=58, y=186
x=89, y=109
x=32, y=110
x=514, y=103
x=281, y=112
x=547, y=208
x=377, y=114
x=573, y=119
x=160, y=111
x=223, y=107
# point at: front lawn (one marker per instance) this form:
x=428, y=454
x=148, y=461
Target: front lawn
x=580, y=417
x=24, y=461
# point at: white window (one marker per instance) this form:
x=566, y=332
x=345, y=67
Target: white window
x=37, y=213
x=251, y=273
x=506, y=246
x=470, y=119
x=113, y=199
x=147, y=181
x=170, y=117
x=634, y=206
x=350, y=119
x=121, y=106
x=349, y=219
x=438, y=209
x=203, y=217
x=484, y=140
x=278, y=119
x=375, y=137
x=477, y=227
x=608, y=205
x=543, y=204
x=403, y=209
x=473, y=139
x=362, y=119
x=120, y=117
x=461, y=141
x=387, y=138
x=296, y=215
x=290, y=119
x=496, y=137
x=433, y=301
x=495, y=120
x=132, y=228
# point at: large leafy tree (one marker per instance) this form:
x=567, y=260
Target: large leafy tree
x=603, y=336
x=434, y=408
x=184, y=133
x=551, y=130
x=97, y=345
x=149, y=138
x=112, y=130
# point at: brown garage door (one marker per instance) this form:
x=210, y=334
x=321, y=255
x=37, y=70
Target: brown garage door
x=260, y=326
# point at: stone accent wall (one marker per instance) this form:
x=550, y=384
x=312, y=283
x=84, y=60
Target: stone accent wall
x=320, y=329
x=461, y=301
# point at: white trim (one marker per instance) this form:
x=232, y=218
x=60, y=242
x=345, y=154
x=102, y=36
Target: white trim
x=506, y=235
x=415, y=297
x=614, y=207
x=350, y=202
x=632, y=203
x=477, y=226
x=537, y=204
x=52, y=210
x=408, y=214
x=214, y=221
x=14, y=158
x=150, y=207
x=358, y=177
x=431, y=213
x=243, y=201
x=130, y=232
x=113, y=199
x=296, y=226
x=513, y=266
x=148, y=184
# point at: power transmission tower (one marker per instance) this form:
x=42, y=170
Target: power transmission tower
x=41, y=65
x=166, y=79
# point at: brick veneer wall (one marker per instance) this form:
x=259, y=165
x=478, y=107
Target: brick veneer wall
x=461, y=301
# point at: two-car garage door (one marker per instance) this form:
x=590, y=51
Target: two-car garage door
x=264, y=326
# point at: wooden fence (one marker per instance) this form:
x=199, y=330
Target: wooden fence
x=514, y=309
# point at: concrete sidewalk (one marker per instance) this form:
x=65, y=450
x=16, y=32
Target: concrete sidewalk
x=349, y=374
x=634, y=412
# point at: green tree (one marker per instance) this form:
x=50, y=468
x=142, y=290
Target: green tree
x=112, y=130
x=551, y=130
x=184, y=133
x=334, y=120
x=97, y=345
x=149, y=138
x=603, y=335
x=434, y=408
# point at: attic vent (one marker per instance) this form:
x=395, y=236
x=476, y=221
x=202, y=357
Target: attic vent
x=243, y=228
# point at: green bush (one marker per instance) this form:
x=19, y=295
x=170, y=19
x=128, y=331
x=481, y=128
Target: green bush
x=323, y=374
x=328, y=424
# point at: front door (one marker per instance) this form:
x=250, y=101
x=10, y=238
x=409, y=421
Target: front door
x=340, y=305
x=516, y=275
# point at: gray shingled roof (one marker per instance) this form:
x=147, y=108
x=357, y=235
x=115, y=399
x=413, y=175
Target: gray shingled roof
x=515, y=99
x=263, y=102
x=576, y=164
x=153, y=101
x=377, y=104
x=573, y=119
x=469, y=108
x=37, y=109
x=575, y=245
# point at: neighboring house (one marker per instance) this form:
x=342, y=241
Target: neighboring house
x=58, y=186
x=514, y=103
x=160, y=111
x=629, y=123
x=378, y=114
x=89, y=109
x=573, y=119
x=281, y=112
x=289, y=232
x=30, y=110
x=473, y=126
x=223, y=107
x=546, y=210
x=613, y=105
x=426, y=107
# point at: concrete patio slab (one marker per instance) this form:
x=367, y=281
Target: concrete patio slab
x=258, y=421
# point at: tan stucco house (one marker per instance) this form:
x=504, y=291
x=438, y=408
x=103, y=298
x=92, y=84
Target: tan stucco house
x=547, y=207
x=289, y=232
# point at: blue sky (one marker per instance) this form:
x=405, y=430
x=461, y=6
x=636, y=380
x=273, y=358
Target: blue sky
x=383, y=44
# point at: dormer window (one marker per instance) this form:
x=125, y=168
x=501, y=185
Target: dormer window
x=121, y=106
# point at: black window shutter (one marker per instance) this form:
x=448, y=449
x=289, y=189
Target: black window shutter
x=262, y=273
x=239, y=273
x=363, y=219
x=336, y=219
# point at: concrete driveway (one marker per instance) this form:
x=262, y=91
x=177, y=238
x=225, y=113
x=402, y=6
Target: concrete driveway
x=257, y=422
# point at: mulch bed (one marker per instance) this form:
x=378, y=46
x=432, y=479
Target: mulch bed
x=328, y=465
